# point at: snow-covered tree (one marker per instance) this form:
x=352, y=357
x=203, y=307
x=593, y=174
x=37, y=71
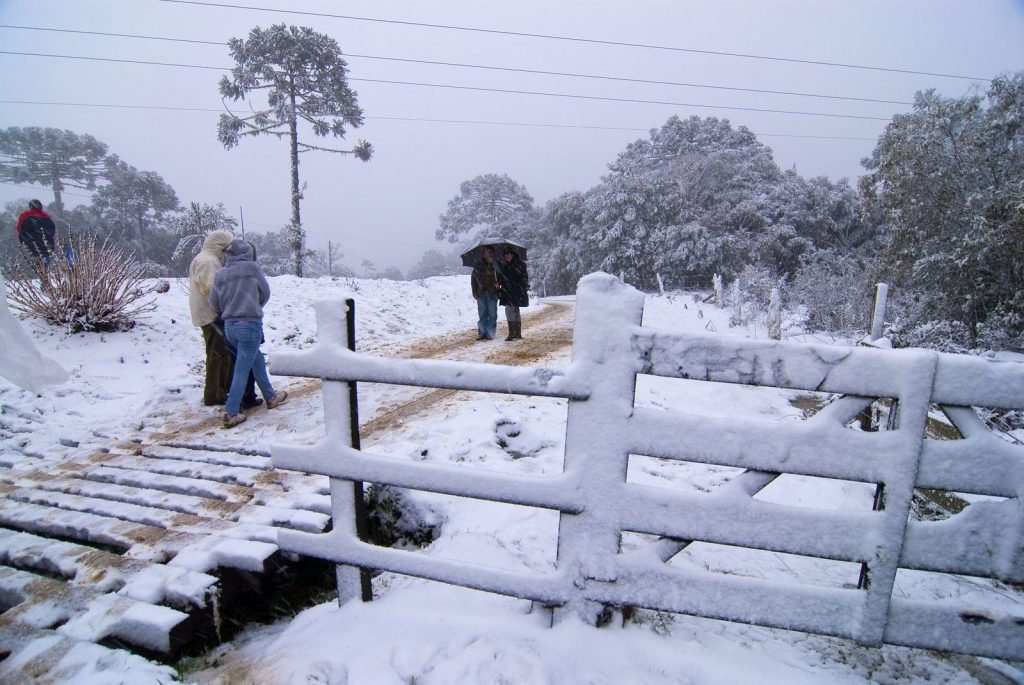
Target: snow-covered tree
x=274, y=251
x=10, y=250
x=723, y=179
x=192, y=226
x=434, y=263
x=829, y=214
x=134, y=200
x=949, y=177
x=487, y=203
x=834, y=289
x=556, y=261
x=629, y=227
x=305, y=81
x=51, y=157
x=710, y=161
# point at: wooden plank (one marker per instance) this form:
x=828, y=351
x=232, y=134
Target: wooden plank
x=152, y=497
x=85, y=614
x=206, y=456
x=75, y=563
x=158, y=481
x=233, y=475
x=115, y=547
x=247, y=547
x=165, y=510
x=103, y=571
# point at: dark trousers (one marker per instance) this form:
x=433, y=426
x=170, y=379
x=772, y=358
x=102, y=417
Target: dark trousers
x=218, y=366
x=38, y=243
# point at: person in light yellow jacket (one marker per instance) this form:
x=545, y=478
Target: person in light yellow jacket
x=219, y=356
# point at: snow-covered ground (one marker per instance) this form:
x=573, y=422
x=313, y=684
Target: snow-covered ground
x=148, y=380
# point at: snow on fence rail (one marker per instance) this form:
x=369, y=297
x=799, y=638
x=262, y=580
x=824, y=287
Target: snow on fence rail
x=597, y=504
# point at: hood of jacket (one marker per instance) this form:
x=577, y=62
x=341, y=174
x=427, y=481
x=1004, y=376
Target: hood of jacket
x=217, y=241
x=200, y=276
x=240, y=251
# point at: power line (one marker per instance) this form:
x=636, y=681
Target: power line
x=112, y=35
x=410, y=119
x=491, y=67
x=572, y=96
x=575, y=39
x=35, y=187
x=110, y=105
x=624, y=79
x=114, y=59
x=607, y=98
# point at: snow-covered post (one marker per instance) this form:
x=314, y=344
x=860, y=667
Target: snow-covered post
x=596, y=456
x=775, y=315
x=878, y=316
x=719, y=288
x=736, y=300
x=661, y=283
x=352, y=575
x=348, y=508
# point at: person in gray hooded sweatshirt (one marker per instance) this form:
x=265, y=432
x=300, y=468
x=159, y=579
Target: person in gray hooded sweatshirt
x=240, y=290
x=220, y=359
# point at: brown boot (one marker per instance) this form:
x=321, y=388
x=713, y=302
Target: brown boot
x=511, y=331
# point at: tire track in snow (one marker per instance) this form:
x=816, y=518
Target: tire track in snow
x=545, y=333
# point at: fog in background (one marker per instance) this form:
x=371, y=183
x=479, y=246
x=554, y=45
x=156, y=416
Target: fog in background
x=433, y=127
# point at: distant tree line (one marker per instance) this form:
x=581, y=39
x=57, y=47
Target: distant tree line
x=302, y=79
x=939, y=216
x=136, y=210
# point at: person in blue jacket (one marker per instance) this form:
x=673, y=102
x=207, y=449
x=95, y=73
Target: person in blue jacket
x=240, y=291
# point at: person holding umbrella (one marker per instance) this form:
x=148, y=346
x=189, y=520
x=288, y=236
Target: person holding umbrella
x=484, y=281
x=514, y=286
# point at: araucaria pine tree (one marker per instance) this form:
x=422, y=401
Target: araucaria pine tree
x=305, y=79
x=51, y=157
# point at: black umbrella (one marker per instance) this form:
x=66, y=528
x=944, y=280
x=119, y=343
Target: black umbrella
x=474, y=254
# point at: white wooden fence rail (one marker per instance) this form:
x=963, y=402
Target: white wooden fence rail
x=597, y=504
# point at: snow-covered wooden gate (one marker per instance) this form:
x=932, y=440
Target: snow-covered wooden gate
x=597, y=504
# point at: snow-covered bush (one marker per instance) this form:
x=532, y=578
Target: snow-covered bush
x=95, y=288
x=719, y=288
x=751, y=294
x=942, y=336
x=835, y=292
x=393, y=518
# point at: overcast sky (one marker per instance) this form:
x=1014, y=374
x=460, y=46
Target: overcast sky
x=428, y=139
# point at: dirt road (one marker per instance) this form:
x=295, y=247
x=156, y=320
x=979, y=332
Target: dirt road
x=545, y=332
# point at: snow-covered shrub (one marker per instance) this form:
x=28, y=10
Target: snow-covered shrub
x=835, y=292
x=95, y=288
x=395, y=519
x=941, y=336
x=751, y=292
x=1004, y=328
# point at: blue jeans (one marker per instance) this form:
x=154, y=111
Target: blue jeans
x=245, y=336
x=487, y=310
